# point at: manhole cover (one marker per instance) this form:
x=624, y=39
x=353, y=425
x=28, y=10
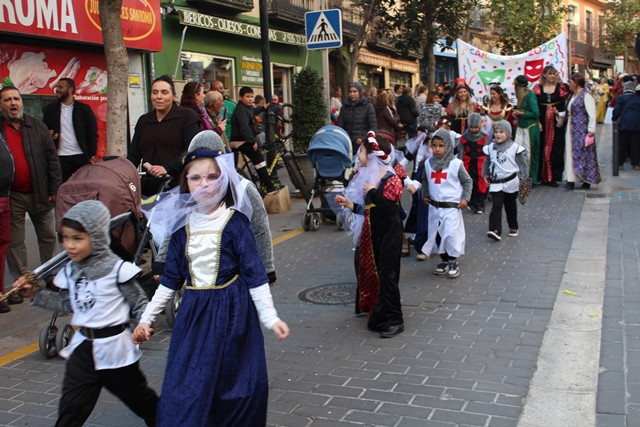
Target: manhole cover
x=333, y=293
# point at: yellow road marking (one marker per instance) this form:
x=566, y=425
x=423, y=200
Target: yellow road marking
x=17, y=354
x=31, y=348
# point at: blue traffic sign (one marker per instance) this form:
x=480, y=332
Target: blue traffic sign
x=323, y=29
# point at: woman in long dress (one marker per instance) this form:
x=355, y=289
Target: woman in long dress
x=581, y=161
x=603, y=100
x=552, y=96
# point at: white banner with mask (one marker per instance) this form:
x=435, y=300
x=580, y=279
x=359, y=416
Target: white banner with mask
x=480, y=69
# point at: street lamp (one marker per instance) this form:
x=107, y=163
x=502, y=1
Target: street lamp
x=570, y=11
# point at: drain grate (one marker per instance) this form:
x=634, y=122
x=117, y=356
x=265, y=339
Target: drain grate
x=332, y=293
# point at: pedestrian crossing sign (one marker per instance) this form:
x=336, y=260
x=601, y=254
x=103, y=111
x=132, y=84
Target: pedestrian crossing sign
x=323, y=29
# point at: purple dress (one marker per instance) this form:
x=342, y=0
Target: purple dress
x=216, y=371
x=585, y=160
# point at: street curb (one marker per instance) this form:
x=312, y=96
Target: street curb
x=564, y=387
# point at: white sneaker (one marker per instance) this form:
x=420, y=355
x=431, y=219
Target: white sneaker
x=494, y=235
x=422, y=257
x=513, y=232
x=454, y=270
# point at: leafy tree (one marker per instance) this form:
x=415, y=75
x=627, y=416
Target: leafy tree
x=622, y=23
x=309, y=108
x=367, y=11
x=418, y=24
x=117, y=76
x=523, y=25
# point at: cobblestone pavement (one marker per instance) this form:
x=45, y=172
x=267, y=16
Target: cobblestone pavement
x=470, y=344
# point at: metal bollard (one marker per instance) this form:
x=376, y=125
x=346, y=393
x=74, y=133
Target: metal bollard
x=615, y=149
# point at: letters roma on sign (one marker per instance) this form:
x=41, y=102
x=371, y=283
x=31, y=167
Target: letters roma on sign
x=78, y=20
x=481, y=68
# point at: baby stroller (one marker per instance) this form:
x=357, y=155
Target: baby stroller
x=331, y=157
x=115, y=182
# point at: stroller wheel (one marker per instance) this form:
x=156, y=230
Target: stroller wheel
x=47, y=341
x=314, y=224
x=63, y=337
x=306, y=222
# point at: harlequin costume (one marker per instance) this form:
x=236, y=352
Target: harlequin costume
x=552, y=137
x=473, y=159
x=378, y=262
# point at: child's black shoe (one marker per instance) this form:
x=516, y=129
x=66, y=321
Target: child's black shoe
x=441, y=269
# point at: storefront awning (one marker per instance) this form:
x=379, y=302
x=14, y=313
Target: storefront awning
x=367, y=57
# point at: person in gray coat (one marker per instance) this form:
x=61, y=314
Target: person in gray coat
x=357, y=115
x=36, y=181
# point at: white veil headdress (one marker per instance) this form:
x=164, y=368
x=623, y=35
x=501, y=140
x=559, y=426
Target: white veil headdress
x=378, y=165
x=172, y=210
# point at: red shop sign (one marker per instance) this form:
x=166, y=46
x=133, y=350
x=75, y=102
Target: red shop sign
x=36, y=71
x=78, y=20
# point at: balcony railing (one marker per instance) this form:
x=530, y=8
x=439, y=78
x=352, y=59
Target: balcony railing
x=223, y=6
x=289, y=13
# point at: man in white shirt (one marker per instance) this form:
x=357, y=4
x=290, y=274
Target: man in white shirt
x=73, y=127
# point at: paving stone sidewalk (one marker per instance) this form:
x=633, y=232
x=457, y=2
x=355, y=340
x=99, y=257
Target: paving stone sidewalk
x=466, y=357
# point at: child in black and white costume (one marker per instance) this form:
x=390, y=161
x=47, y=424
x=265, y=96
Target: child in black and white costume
x=101, y=290
x=505, y=164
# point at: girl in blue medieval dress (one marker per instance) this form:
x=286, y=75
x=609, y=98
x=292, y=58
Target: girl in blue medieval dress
x=216, y=371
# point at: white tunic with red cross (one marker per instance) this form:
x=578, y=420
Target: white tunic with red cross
x=444, y=186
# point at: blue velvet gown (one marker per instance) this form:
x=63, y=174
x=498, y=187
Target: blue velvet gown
x=216, y=371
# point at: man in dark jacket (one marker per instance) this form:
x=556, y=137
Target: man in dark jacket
x=73, y=127
x=408, y=112
x=357, y=115
x=627, y=109
x=6, y=179
x=36, y=180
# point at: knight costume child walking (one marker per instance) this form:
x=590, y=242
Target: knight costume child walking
x=101, y=290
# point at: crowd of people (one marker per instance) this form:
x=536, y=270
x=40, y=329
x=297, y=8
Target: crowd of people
x=464, y=153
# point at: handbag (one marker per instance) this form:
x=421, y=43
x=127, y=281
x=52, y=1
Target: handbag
x=589, y=140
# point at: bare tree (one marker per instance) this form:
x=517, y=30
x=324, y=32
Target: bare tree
x=117, y=76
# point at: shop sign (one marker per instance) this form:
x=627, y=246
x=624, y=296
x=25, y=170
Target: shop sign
x=251, y=71
x=36, y=71
x=79, y=20
x=200, y=20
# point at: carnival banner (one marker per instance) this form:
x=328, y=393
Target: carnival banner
x=480, y=68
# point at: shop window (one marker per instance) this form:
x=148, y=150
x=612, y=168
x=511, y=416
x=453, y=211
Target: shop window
x=399, y=78
x=205, y=69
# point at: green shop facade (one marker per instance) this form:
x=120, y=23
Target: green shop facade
x=200, y=46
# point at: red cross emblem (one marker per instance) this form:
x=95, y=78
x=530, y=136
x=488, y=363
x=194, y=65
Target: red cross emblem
x=439, y=176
